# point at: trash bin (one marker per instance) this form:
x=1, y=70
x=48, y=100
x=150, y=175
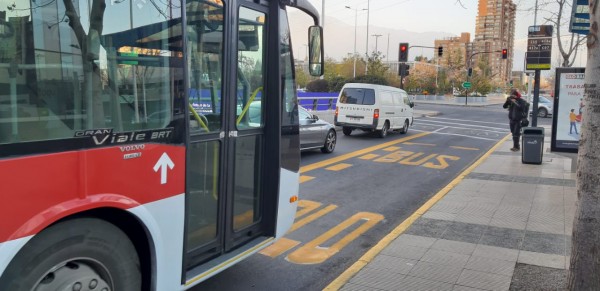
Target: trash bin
x=532, y=140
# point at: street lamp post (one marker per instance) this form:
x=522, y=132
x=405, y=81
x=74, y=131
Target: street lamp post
x=367, y=51
x=354, y=55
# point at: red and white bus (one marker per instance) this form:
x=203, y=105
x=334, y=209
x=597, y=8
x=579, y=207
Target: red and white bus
x=129, y=156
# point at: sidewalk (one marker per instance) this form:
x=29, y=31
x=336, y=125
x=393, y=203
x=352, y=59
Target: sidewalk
x=503, y=226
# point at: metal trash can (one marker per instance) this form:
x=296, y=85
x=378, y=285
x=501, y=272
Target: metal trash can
x=532, y=141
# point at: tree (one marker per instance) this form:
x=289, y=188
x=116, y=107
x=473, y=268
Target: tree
x=584, y=271
x=318, y=85
x=376, y=66
x=302, y=78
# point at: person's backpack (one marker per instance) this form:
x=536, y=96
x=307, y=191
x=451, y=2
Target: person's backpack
x=524, y=113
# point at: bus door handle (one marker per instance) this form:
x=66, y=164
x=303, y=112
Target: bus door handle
x=233, y=133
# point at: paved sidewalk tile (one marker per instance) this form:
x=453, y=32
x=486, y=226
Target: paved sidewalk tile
x=491, y=265
x=415, y=241
x=496, y=253
x=544, y=243
x=397, y=249
x=356, y=287
x=445, y=258
x=465, y=232
x=454, y=246
x=544, y=260
x=503, y=237
x=410, y=283
x=392, y=264
x=465, y=288
x=436, y=272
x=375, y=278
x=483, y=280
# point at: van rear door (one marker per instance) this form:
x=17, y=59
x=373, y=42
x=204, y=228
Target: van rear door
x=355, y=106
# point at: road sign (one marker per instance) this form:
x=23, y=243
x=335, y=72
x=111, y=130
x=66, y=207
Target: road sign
x=539, y=47
x=466, y=85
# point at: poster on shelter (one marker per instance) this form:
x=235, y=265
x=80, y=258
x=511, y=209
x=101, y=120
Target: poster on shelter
x=569, y=106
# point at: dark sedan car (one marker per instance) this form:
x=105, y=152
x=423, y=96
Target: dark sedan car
x=316, y=133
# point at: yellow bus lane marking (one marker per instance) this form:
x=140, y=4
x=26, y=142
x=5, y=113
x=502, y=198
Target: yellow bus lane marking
x=410, y=160
x=354, y=154
x=442, y=160
x=391, y=149
x=368, y=157
x=284, y=244
x=420, y=144
x=310, y=218
x=307, y=207
x=394, y=157
x=279, y=247
x=314, y=253
x=338, y=167
x=464, y=148
x=384, y=242
x=305, y=178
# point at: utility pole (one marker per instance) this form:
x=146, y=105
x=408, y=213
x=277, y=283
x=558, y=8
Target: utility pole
x=355, y=22
x=387, y=55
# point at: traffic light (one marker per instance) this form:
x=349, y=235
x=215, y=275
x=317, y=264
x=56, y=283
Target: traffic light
x=440, y=51
x=403, y=70
x=504, y=54
x=470, y=72
x=403, y=52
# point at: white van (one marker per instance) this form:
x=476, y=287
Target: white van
x=373, y=108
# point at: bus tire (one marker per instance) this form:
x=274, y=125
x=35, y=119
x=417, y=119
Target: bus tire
x=86, y=251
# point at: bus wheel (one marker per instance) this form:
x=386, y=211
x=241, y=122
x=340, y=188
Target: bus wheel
x=81, y=254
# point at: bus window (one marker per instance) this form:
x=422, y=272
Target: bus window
x=58, y=78
x=251, y=64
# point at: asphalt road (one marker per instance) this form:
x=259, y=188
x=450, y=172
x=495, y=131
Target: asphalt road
x=352, y=198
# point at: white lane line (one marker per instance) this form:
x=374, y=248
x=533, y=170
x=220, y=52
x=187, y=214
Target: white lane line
x=468, y=128
x=465, y=125
x=466, y=120
x=440, y=129
x=455, y=134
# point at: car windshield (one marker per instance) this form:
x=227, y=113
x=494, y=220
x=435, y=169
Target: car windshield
x=358, y=96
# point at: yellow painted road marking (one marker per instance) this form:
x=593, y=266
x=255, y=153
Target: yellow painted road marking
x=391, y=149
x=442, y=160
x=339, y=167
x=374, y=251
x=305, y=178
x=409, y=161
x=368, y=157
x=354, y=154
x=464, y=148
x=394, y=157
x=304, y=221
x=314, y=253
x=279, y=247
x=421, y=144
x=307, y=206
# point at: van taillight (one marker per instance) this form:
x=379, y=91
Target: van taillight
x=376, y=114
x=336, y=111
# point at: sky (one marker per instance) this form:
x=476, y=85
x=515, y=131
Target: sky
x=440, y=16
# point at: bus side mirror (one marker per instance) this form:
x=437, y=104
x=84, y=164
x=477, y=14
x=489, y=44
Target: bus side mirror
x=315, y=48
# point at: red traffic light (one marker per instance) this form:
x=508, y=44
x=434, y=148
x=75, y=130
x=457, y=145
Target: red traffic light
x=403, y=48
x=504, y=53
x=403, y=53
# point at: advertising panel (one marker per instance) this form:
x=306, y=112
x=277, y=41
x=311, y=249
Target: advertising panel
x=568, y=109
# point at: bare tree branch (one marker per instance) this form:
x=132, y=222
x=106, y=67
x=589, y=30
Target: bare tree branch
x=459, y=2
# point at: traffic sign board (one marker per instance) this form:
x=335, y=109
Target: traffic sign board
x=466, y=85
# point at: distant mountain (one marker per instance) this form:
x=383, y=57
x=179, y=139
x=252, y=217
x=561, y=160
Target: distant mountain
x=339, y=38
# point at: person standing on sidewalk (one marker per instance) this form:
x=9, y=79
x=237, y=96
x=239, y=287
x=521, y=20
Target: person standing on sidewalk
x=515, y=104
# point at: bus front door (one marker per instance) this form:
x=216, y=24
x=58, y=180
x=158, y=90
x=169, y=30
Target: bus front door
x=225, y=164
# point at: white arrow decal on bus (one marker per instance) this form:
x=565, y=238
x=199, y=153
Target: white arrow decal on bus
x=162, y=164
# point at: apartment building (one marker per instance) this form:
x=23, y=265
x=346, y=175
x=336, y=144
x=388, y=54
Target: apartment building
x=494, y=31
x=455, y=50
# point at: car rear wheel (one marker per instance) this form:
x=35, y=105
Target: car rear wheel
x=384, y=130
x=79, y=254
x=542, y=112
x=330, y=141
x=347, y=130
x=404, y=129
